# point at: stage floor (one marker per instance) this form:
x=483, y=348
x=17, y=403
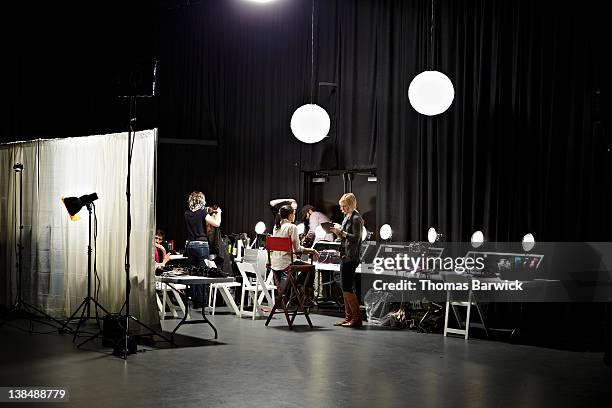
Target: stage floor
x=254, y=365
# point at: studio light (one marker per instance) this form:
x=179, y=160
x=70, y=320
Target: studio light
x=260, y=227
x=385, y=232
x=310, y=123
x=477, y=239
x=431, y=93
x=260, y=1
x=300, y=228
x=74, y=204
x=433, y=235
x=528, y=242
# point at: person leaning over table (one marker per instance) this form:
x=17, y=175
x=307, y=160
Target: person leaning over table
x=284, y=227
x=314, y=218
x=196, y=218
x=350, y=235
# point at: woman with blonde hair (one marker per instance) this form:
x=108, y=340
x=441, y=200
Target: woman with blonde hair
x=196, y=219
x=350, y=235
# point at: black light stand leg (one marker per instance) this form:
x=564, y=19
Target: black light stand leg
x=20, y=308
x=88, y=300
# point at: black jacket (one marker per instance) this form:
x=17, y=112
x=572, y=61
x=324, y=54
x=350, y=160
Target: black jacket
x=351, y=245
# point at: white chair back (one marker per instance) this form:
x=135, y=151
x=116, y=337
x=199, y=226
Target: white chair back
x=248, y=274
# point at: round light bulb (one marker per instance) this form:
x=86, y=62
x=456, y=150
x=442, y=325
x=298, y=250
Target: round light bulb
x=432, y=235
x=528, y=242
x=260, y=227
x=477, y=239
x=431, y=93
x=385, y=231
x=310, y=123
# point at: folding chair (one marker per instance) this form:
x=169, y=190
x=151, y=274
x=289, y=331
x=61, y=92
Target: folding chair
x=163, y=289
x=460, y=298
x=283, y=244
x=227, y=295
x=255, y=286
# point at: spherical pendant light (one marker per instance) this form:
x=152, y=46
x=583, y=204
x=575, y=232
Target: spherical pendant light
x=310, y=123
x=431, y=93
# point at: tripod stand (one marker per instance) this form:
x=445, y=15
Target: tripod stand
x=124, y=343
x=86, y=303
x=20, y=307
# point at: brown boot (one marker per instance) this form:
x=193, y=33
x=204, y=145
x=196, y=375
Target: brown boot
x=348, y=316
x=356, y=314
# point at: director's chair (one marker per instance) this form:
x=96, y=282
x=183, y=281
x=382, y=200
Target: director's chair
x=283, y=244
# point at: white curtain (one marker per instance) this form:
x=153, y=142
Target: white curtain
x=55, y=248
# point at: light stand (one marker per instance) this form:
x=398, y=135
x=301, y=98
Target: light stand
x=20, y=307
x=86, y=303
x=124, y=319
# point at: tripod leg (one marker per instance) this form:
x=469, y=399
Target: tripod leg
x=100, y=306
x=11, y=310
x=76, y=331
x=89, y=339
x=151, y=330
x=43, y=314
x=65, y=325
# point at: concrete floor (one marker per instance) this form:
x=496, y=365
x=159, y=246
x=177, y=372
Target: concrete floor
x=251, y=365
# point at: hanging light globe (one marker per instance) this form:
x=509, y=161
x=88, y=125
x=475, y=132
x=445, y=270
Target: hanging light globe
x=310, y=123
x=431, y=93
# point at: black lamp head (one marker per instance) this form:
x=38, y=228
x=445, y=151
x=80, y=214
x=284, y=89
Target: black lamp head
x=74, y=204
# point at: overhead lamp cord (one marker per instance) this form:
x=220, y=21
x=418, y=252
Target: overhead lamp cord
x=431, y=37
x=312, y=50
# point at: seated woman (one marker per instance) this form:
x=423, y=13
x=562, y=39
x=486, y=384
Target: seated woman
x=284, y=227
x=161, y=255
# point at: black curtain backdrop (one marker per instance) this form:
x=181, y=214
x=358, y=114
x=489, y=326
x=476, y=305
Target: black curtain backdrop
x=523, y=148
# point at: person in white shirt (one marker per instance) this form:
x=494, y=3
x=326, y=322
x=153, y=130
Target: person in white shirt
x=314, y=219
x=284, y=227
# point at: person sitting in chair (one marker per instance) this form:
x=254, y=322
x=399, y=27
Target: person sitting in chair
x=161, y=255
x=284, y=227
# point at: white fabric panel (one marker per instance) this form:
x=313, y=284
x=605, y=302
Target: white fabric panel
x=58, y=249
